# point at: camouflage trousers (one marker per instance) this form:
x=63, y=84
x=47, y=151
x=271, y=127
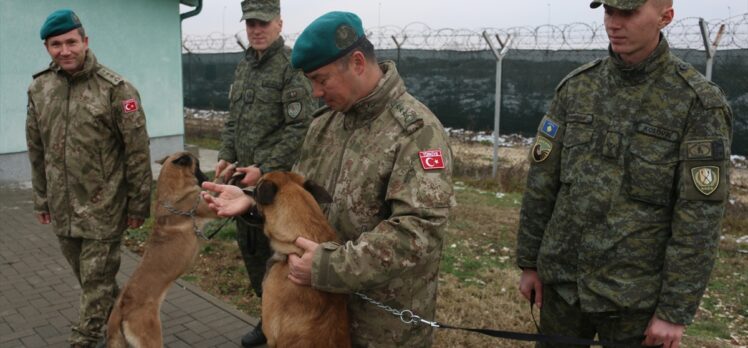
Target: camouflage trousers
x=255, y=249
x=558, y=317
x=95, y=264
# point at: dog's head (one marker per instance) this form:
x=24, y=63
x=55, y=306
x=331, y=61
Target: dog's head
x=271, y=184
x=181, y=165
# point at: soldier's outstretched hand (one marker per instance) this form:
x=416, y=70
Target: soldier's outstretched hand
x=230, y=201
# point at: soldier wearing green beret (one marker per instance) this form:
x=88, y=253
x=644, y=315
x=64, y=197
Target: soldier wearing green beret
x=385, y=159
x=270, y=110
x=91, y=173
x=620, y=221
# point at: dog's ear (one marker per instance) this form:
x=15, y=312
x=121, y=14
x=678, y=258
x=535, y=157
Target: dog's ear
x=161, y=161
x=184, y=160
x=318, y=192
x=265, y=193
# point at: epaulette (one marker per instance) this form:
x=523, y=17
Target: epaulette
x=320, y=111
x=578, y=71
x=710, y=95
x=408, y=118
x=109, y=75
x=40, y=73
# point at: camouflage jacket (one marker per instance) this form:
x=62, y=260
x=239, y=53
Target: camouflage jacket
x=88, y=148
x=627, y=187
x=389, y=211
x=270, y=110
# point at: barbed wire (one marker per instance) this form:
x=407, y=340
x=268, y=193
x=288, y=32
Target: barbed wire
x=684, y=33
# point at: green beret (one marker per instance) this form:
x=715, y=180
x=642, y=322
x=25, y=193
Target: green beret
x=59, y=22
x=264, y=10
x=325, y=40
x=619, y=4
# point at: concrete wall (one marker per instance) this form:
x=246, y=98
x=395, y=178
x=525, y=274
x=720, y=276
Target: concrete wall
x=139, y=39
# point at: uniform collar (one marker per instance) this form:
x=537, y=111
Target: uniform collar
x=89, y=67
x=640, y=72
x=368, y=108
x=252, y=54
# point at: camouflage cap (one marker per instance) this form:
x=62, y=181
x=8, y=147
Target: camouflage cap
x=59, y=22
x=619, y=4
x=328, y=38
x=264, y=10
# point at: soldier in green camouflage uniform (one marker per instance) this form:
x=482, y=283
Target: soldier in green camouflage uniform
x=385, y=159
x=270, y=111
x=91, y=173
x=628, y=180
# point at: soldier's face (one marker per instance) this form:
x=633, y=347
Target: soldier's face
x=68, y=50
x=262, y=34
x=338, y=83
x=634, y=34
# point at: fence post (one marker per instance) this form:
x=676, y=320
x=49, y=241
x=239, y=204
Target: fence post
x=499, y=55
x=711, y=48
x=399, y=44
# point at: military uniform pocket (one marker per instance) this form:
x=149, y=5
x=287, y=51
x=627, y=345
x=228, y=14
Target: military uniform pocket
x=576, y=141
x=650, y=169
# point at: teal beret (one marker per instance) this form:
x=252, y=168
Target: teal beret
x=59, y=22
x=325, y=40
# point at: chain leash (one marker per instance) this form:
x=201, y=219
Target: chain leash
x=190, y=213
x=406, y=315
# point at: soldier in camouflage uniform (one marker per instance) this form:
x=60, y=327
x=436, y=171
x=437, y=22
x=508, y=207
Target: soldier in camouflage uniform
x=385, y=159
x=270, y=111
x=628, y=180
x=91, y=173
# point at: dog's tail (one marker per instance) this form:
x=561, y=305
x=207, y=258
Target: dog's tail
x=114, y=336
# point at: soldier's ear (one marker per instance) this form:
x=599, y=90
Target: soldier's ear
x=265, y=192
x=161, y=161
x=184, y=160
x=318, y=192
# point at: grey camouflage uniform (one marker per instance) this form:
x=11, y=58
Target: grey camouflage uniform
x=627, y=187
x=88, y=148
x=389, y=213
x=270, y=111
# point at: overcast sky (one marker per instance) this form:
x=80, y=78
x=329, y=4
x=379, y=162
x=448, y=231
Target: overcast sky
x=222, y=16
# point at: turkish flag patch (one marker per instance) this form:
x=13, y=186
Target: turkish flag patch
x=431, y=159
x=130, y=105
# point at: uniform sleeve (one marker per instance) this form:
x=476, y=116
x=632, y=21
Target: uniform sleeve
x=228, y=148
x=36, y=157
x=542, y=183
x=131, y=123
x=412, y=234
x=298, y=106
x=703, y=185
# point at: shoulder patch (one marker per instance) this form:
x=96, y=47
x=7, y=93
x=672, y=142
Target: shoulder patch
x=37, y=74
x=578, y=71
x=709, y=94
x=109, y=75
x=408, y=118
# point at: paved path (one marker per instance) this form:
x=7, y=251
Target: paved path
x=39, y=294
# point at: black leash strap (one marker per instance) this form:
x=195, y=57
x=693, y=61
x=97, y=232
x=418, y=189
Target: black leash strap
x=520, y=336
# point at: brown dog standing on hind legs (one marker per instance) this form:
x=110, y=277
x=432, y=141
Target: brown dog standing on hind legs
x=293, y=315
x=169, y=252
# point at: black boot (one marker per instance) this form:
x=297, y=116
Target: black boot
x=255, y=337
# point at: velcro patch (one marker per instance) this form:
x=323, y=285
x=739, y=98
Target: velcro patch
x=657, y=132
x=705, y=178
x=129, y=105
x=705, y=150
x=431, y=159
x=542, y=149
x=549, y=128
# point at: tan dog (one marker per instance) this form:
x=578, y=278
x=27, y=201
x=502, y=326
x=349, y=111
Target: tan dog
x=169, y=252
x=293, y=315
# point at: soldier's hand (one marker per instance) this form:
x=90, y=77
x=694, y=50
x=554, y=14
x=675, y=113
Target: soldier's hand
x=134, y=222
x=300, y=268
x=529, y=282
x=662, y=332
x=252, y=174
x=224, y=169
x=44, y=218
x=230, y=201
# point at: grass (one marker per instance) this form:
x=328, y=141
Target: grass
x=478, y=279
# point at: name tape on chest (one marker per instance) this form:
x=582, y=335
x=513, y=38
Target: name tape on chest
x=129, y=105
x=431, y=159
